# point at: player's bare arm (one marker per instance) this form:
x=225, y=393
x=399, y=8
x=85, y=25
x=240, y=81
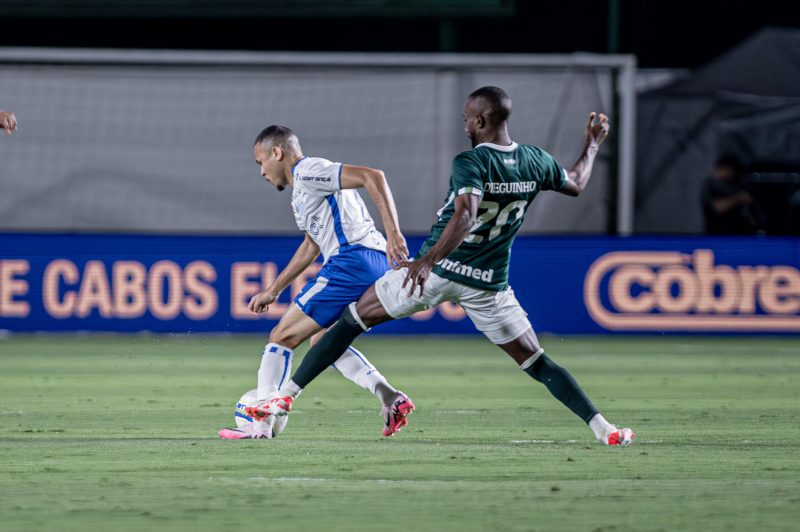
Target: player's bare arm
x=306, y=253
x=456, y=230
x=378, y=188
x=8, y=122
x=596, y=133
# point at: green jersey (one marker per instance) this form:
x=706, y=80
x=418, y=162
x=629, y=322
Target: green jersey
x=507, y=178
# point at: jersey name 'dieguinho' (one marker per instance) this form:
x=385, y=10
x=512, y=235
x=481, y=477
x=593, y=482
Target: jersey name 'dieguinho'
x=507, y=178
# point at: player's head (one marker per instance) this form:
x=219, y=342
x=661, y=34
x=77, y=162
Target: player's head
x=728, y=167
x=276, y=149
x=487, y=109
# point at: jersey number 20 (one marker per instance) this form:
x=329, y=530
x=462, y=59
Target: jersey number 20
x=500, y=218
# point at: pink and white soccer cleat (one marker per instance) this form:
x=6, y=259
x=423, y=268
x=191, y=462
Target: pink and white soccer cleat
x=620, y=437
x=277, y=406
x=394, y=416
x=248, y=431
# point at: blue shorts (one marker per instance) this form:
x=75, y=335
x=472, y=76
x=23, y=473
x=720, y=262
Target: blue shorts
x=340, y=282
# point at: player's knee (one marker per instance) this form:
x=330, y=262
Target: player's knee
x=285, y=338
x=369, y=311
x=544, y=365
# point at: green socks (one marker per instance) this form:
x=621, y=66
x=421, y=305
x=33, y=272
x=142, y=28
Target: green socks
x=328, y=349
x=562, y=385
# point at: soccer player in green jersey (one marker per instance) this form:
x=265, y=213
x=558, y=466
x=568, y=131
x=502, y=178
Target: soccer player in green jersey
x=466, y=260
x=8, y=122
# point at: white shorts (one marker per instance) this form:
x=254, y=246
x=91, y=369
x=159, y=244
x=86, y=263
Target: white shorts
x=498, y=315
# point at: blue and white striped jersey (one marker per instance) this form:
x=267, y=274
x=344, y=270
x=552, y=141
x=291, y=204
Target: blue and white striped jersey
x=336, y=219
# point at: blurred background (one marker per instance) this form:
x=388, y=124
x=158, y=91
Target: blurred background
x=129, y=200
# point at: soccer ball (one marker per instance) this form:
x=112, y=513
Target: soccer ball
x=238, y=414
x=240, y=417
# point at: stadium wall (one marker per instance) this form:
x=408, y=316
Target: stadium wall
x=568, y=285
x=161, y=141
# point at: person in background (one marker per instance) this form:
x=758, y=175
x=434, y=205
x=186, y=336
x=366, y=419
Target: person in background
x=728, y=207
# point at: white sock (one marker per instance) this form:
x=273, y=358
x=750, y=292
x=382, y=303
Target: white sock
x=601, y=428
x=354, y=366
x=291, y=388
x=276, y=365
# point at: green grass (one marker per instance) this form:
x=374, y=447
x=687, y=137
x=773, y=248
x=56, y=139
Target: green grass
x=119, y=433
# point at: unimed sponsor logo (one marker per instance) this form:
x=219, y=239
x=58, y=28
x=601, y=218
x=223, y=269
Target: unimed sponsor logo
x=466, y=270
x=673, y=291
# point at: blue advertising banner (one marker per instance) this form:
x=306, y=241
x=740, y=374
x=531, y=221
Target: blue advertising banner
x=568, y=285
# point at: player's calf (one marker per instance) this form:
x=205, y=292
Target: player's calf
x=566, y=389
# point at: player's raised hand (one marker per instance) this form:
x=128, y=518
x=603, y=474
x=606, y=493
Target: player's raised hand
x=261, y=301
x=8, y=122
x=596, y=133
x=418, y=272
x=396, y=249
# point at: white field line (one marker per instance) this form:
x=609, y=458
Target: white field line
x=635, y=442
x=314, y=479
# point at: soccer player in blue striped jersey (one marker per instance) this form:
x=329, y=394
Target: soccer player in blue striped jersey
x=467, y=256
x=336, y=224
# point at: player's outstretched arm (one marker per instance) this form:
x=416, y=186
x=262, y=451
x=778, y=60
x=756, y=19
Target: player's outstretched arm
x=454, y=233
x=302, y=259
x=8, y=122
x=578, y=177
x=378, y=188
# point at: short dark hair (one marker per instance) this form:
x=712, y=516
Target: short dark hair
x=730, y=160
x=275, y=134
x=498, y=103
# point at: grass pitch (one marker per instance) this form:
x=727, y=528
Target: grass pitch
x=119, y=433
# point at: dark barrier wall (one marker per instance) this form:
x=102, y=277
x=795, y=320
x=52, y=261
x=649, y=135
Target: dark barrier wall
x=575, y=285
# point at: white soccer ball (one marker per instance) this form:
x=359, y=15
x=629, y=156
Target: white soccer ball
x=240, y=417
x=239, y=414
